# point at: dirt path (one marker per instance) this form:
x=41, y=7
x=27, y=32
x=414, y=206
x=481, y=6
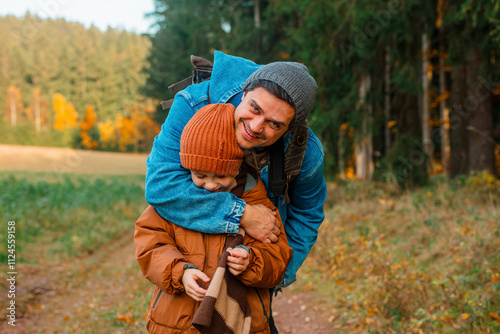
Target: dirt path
x=299, y=312
x=66, y=298
x=63, y=299
x=67, y=160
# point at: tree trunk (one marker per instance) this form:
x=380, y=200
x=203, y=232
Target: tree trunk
x=387, y=99
x=480, y=122
x=444, y=112
x=426, y=134
x=36, y=106
x=342, y=175
x=256, y=13
x=364, y=143
x=13, y=107
x=458, y=122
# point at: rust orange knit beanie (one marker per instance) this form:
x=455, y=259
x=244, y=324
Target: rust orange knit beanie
x=208, y=141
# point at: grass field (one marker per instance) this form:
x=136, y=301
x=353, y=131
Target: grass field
x=67, y=228
x=426, y=261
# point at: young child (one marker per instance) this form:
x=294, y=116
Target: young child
x=182, y=262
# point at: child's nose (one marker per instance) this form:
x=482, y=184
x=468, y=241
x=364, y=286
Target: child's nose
x=210, y=186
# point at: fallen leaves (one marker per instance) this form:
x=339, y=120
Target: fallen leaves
x=494, y=316
x=126, y=318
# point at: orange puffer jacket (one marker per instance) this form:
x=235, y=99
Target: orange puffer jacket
x=163, y=248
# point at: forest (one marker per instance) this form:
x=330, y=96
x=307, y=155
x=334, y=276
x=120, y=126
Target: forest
x=64, y=85
x=407, y=89
x=407, y=109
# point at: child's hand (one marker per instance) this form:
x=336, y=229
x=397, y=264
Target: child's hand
x=192, y=288
x=238, y=261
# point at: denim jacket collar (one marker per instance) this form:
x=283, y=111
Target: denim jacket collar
x=228, y=76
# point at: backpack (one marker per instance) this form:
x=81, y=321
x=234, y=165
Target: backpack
x=284, y=167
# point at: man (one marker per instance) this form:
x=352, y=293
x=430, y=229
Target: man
x=270, y=101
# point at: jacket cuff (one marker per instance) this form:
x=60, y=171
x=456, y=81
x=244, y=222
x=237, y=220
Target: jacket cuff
x=233, y=224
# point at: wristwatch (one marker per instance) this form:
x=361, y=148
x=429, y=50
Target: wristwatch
x=190, y=266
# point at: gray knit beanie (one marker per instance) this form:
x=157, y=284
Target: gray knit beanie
x=295, y=79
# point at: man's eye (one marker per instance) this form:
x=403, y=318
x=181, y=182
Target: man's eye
x=275, y=125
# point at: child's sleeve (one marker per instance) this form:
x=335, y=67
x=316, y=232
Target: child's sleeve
x=156, y=252
x=268, y=262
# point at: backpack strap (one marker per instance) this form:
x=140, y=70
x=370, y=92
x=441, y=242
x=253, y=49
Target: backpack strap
x=276, y=168
x=294, y=155
x=202, y=71
x=285, y=166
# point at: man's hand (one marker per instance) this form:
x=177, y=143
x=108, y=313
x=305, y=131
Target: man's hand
x=192, y=288
x=260, y=223
x=238, y=261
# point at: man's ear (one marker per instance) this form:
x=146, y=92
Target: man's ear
x=244, y=93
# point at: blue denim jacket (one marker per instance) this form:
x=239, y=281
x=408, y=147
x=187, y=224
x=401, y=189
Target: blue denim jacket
x=170, y=190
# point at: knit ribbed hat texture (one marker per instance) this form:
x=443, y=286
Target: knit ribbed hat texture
x=208, y=141
x=295, y=79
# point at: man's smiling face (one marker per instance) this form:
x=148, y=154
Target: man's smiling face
x=261, y=118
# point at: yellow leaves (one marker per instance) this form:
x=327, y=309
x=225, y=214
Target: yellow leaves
x=349, y=173
x=494, y=316
x=387, y=204
x=495, y=277
x=59, y=102
x=106, y=130
x=445, y=96
x=440, y=13
x=391, y=124
x=85, y=126
x=465, y=230
x=89, y=120
x=66, y=115
x=87, y=141
x=464, y=316
x=284, y=56
x=126, y=318
x=126, y=129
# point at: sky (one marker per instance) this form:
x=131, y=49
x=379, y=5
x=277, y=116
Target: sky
x=118, y=14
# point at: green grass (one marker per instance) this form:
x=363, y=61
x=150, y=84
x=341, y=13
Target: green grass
x=70, y=222
x=67, y=215
x=24, y=134
x=427, y=260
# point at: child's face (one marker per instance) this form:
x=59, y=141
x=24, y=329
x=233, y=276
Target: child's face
x=212, y=182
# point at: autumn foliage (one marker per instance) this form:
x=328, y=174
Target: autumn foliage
x=135, y=132
x=66, y=115
x=85, y=126
x=132, y=133
x=420, y=262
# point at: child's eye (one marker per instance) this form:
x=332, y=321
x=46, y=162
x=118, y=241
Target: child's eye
x=200, y=176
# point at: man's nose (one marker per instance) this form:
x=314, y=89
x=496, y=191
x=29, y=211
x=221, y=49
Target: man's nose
x=257, y=124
